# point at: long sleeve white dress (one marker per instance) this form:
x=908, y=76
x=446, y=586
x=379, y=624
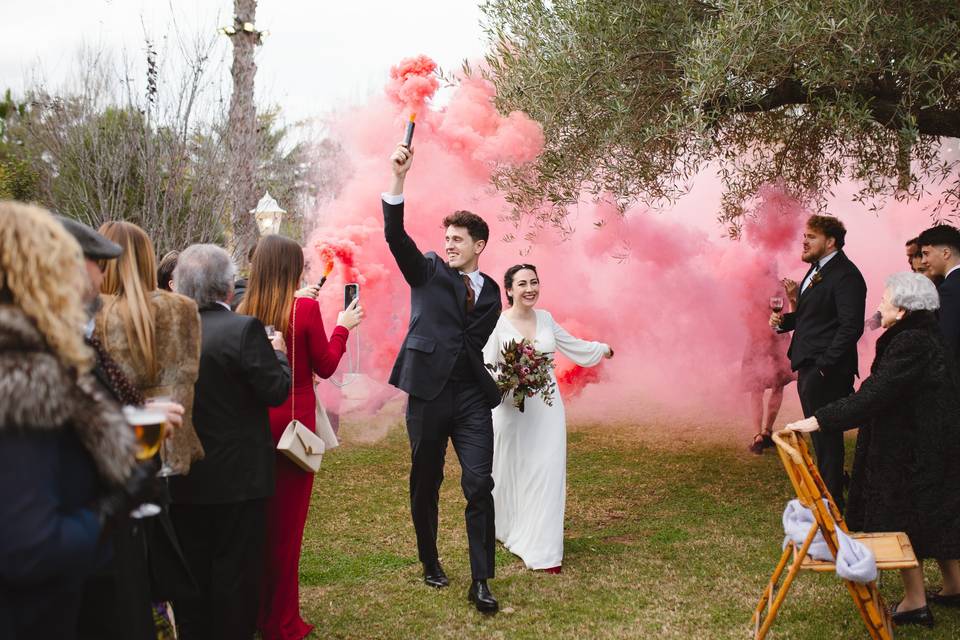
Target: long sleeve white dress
x=530, y=451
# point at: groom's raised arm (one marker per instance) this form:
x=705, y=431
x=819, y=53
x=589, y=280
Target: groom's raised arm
x=414, y=266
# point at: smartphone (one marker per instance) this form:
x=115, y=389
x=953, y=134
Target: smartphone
x=351, y=292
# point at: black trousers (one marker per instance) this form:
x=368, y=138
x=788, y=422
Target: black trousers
x=460, y=413
x=818, y=391
x=224, y=545
x=116, y=600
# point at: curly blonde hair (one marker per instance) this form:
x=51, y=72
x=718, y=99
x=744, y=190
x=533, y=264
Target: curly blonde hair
x=42, y=272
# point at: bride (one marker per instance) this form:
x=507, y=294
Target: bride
x=530, y=448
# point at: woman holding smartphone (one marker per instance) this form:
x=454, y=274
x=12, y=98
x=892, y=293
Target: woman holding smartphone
x=275, y=274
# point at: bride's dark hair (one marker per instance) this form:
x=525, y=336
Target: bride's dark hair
x=511, y=272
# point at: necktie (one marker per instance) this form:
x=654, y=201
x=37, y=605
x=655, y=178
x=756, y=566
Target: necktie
x=809, y=279
x=471, y=302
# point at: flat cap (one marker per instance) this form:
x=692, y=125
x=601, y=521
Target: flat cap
x=94, y=245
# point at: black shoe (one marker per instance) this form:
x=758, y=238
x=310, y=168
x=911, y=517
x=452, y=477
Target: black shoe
x=480, y=596
x=433, y=575
x=768, y=442
x=756, y=446
x=922, y=616
x=952, y=600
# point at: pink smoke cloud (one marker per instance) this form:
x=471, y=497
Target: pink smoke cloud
x=676, y=299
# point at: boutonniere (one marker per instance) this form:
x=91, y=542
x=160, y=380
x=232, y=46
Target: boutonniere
x=817, y=277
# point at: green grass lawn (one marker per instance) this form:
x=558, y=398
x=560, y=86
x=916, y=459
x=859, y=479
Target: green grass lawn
x=665, y=538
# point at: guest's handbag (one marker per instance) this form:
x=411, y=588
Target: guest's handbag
x=302, y=446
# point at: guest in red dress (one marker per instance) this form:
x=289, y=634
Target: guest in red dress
x=272, y=297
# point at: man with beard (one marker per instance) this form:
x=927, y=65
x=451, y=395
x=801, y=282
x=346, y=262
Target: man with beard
x=826, y=326
x=116, y=601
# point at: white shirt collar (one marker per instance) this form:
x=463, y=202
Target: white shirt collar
x=474, y=276
x=947, y=275
x=827, y=258
x=224, y=305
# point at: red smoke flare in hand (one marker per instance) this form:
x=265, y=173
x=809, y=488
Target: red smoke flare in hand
x=572, y=379
x=330, y=252
x=413, y=81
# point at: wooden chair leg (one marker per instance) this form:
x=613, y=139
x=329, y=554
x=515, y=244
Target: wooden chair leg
x=872, y=610
x=775, y=601
x=766, y=599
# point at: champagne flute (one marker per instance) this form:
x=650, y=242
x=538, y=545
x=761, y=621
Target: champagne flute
x=165, y=469
x=148, y=428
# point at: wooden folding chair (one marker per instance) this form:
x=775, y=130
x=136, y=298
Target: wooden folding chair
x=892, y=550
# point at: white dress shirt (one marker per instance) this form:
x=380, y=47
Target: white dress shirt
x=821, y=263
x=476, y=283
x=392, y=198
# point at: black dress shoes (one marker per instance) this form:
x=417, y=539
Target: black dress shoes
x=952, y=600
x=433, y=575
x=922, y=616
x=481, y=597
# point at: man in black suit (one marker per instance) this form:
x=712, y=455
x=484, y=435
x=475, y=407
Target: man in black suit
x=453, y=310
x=826, y=325
x=219, y=509
x=940, y=257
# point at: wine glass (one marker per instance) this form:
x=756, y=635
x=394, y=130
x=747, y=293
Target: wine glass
x=148, y=428
x=776, y=305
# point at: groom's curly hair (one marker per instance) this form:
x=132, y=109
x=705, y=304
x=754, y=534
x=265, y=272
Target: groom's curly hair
x=473, y=223
x=830, y=227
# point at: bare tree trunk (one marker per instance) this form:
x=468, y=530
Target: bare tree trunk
x=242, y=133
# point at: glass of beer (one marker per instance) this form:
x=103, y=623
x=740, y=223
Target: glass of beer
x=148, y=429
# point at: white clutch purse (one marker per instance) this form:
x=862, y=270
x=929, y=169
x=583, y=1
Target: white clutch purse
x=302, y=446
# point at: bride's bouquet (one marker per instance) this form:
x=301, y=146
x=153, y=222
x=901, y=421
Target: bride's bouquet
x=524, y=371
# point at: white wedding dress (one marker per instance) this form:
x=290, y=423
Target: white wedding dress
x=530, y=451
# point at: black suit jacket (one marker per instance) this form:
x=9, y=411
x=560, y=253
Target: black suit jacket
x=440, y=327
x=828, y=321
x=950, y=312
x=240, y=377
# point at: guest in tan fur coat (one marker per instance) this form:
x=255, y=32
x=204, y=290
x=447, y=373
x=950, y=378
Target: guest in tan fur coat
x=153, y=334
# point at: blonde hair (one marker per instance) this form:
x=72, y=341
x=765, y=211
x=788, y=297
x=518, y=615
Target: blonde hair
x=43, y=273
x=130, y=279
x=274, y=277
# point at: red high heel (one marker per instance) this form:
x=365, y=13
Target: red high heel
x=554, y=570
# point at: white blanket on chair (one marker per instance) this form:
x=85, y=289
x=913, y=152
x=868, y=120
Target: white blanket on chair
x=855, y=562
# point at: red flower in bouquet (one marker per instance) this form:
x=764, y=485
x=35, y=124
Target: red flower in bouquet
x=525, y=372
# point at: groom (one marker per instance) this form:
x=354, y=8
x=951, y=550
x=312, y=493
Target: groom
x=453, y=310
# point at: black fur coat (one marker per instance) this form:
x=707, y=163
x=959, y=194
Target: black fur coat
x=906, y=475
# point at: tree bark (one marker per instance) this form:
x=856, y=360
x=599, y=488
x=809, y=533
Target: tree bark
x=241, y=132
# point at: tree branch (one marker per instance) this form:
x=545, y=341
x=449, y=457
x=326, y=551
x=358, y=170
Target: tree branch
x=884, y=107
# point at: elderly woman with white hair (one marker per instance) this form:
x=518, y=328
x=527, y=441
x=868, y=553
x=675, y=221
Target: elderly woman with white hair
x=905, y=471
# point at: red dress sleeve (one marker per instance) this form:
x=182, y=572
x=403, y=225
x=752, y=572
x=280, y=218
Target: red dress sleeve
x=325, y=354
